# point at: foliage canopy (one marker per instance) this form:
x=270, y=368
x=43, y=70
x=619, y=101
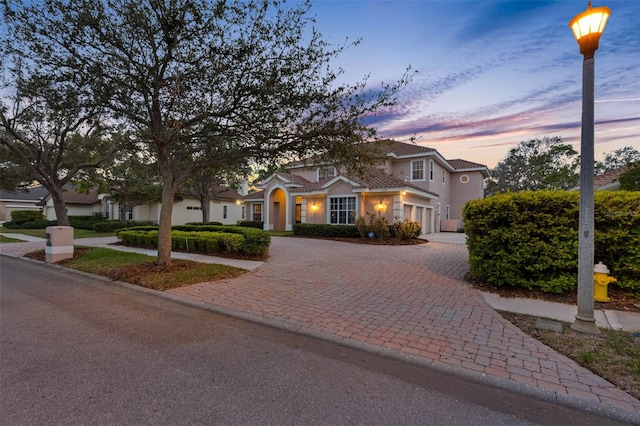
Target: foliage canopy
x=205, y=84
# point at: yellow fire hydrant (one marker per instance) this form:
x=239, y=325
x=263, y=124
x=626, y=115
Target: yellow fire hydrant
x=601, y=280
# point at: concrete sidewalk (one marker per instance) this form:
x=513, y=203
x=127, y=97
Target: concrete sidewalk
x=405, y=301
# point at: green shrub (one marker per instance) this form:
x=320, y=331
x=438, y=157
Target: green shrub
x=199, y=241
x=530, y=239
x=21, y=216
x=250, y=224
x=209, y=242
x=203, y=223
x=256, y=241
x=379, y=226
x=406, y=229
x=326, y=231
x=114, y=225
x=139, y=238
x=35, y=224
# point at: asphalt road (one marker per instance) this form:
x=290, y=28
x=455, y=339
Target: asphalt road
x=76, y=350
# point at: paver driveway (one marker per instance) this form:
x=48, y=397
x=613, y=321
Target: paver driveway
x=406, y=298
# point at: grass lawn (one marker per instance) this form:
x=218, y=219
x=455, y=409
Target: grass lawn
x=4, y=239
x=77, y=233
x=140, y=269
x=281, y=233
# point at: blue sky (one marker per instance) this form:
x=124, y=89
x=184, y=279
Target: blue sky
x=490, y=73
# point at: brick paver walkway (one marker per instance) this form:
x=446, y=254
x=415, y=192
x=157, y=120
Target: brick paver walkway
x=410, y=299
x=405, y=298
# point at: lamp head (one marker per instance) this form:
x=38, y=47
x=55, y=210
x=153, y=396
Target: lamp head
x=588, y=26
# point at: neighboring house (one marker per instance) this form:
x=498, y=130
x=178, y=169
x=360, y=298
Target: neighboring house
x=20, y=200
x=414, y=182
x=608, y=181
x=78, y=204
x=225, y=207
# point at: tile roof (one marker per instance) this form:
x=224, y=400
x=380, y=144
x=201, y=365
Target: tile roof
x=459, y=164
x=258, y=195
x=73, y=197
x=295, y=179
x=402, y=149
x=31, y=194
x=609, y=177
x=376, y=179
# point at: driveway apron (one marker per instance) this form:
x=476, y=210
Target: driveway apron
x=410, y=299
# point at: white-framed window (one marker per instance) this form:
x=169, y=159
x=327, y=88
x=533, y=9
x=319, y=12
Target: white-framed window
x=107, y=210
x=342, y=210
x=448, y=212
x=432, y=168
x=224, y=212
x=256, y=212
x=444, y=176
x=326, y=172
x=130, y=213
x=243, y=213
x=417, y=170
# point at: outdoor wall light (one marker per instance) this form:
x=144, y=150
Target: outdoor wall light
x=380, y=206
x=314, y=207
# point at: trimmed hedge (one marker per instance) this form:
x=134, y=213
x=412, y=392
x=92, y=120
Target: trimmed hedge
x=208, y=242
x=34, y=224
x=203, y=223
x=115, y=225
x=530, y=239
x=21, y=216
x=324, y=230
x=250, y=224
x=254, y=243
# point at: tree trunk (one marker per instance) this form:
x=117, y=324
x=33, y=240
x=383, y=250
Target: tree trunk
x=164, y=233
x=60, y=206
x=204, y=206
x=124, y=206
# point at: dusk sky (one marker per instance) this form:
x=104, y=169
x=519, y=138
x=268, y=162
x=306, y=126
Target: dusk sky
x=490, y=73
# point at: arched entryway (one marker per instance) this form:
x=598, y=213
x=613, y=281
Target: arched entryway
x=278, y=210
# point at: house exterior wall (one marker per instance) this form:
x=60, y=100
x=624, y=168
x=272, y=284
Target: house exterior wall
x=217, y=212
x=72, y=209
x=309, y=174
x=471, y=189
x=314, y=210
x=6, y=207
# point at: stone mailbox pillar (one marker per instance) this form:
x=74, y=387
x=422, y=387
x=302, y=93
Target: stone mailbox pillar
x=59, y=243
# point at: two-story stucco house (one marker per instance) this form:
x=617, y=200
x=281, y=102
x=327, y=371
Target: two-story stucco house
x=413, y=182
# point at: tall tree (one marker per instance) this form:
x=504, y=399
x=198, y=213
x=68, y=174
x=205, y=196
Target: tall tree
x=50, y=128
x=618, y=158
x=544, y=163
x=204, y=186
x=630, y=179
x=209, y=82
x=131, y=181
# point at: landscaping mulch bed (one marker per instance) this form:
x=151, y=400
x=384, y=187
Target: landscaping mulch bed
x=377, y=241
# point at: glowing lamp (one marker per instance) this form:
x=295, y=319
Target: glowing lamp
x=588, y=26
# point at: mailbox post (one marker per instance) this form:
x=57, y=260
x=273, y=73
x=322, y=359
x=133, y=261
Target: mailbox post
x=59, y=243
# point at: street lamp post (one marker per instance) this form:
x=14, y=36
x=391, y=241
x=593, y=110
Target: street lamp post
x=587, y=28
